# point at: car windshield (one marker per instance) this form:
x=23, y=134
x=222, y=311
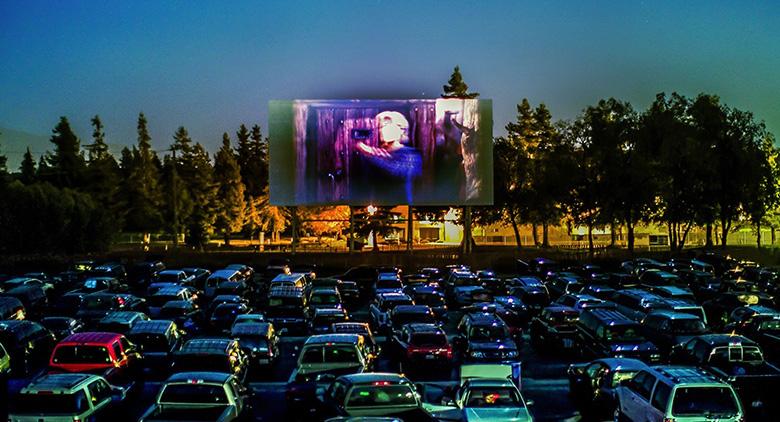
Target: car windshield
x=81, y=355
x=488, y=333
x=704, y=401
x=429, y=339
x=390, y=304
x=381, y=395
x=629, y=333
x=429, y=299
x=688, y=326
x=172, y=312
x=493, y=397
x=194, y=393
x=56, y=324
x=224, y=311
x=770, y=325
x=327, y=320
x=574, y=287
x=168, y=278
x=563, y=318
x=50, y=404
x=466, y=281
x=388, y=283
x=284, y=301
x=97, y=303
x=160, y=300
x=337, y=354
x=324, y=298
x=202, y=362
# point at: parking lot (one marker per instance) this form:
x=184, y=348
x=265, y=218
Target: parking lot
x=544, y=379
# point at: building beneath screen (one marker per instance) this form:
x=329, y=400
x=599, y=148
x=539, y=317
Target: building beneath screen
x=382, y=152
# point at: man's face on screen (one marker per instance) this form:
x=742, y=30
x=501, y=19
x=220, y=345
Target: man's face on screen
x=389, y=132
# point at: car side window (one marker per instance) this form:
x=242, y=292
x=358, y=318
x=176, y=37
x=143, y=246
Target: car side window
x=117, y=350
x=661, y=396
x=701, y=351
x=99, y=391
x=647, y=386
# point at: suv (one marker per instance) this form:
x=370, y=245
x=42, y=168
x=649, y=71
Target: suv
x=120, y=321
x=72, y=397
x=636, y=303
x=554, y=329
x=324, y=318
x=157, y=340
x=409, y=314
x=361, y=328
x=564, y=284
x=372, y=394
x=109, y=353
x=334, y=351
x=531, y=291
x=165, y=295
x=97, y=305
x=607, y=333
x=28, y=344
x=286, y=309
x=667, y=329
x=380, y=307
x=679, y=393
x=484, y=337
x=259, y=341
x=213, y=355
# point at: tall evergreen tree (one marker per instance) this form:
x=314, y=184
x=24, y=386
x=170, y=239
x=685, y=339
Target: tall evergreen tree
x=456, y=87
x=198, y=176
x=98, y=149
x=3, y=161
x=103, y=177
x=143, y=186
x=66, y=163
x=230, y=191
x=27, y=169
x=178, y=203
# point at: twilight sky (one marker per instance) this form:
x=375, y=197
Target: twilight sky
x=211, y=65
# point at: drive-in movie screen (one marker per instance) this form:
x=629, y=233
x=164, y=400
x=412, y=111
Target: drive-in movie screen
x=381, y=152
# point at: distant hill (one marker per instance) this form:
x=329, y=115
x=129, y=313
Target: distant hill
x=14, y=143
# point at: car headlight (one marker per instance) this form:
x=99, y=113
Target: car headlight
x=655, y=356
x=477, y=354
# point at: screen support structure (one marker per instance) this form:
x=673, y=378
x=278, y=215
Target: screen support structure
x=351, y=239
x=467, y=230
x=409, y=228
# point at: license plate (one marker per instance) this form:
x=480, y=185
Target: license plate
x=430, y=357
x=567, y=343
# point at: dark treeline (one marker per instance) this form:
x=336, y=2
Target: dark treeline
x=79, y=197
x=682, y=163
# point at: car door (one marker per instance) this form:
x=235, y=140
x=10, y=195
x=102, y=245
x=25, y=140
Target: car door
x=100, y=395
x=659, y=403
x=636, y=397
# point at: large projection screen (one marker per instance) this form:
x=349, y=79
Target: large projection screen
x=381, y=152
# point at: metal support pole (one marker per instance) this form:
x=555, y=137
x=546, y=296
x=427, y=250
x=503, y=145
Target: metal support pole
x=409, y=228
x=467, y=230
x=294, y=229
x=351, y=238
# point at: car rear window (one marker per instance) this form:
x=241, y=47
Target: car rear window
x=712, y=402
x=429, y=339
x=390, y=395
x=333, y=354
x=50, y=404
x=81, y=354
x=194, y=393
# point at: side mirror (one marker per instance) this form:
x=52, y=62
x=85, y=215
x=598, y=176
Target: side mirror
x=118, y=393
x=529, y=403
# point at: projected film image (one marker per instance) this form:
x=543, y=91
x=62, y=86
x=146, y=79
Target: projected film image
x=381, y=152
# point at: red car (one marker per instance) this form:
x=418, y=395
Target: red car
x=108, y=354
x=423, y=344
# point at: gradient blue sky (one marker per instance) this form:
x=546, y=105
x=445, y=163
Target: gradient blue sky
x=210, y=66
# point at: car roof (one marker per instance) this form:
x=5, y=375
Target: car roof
x=673, y=314
x=490, y=382
x=481, y=318
x=224, y=273
x=206, y=345
x=686, y=375
x=351, y=327
x=211, y=377
x=324, y=290
x=372, y=377
x=171, y=290
x=424, y=328
x=330, y=311
x=412, y=309
x=561, y=308
x=60, y=383
x=288, y=277
x=726, y=339
x=333, y=338
x=91, y=338
x=121, y=316
x=154, y=326
x=624, y=364
x=251, y=328
x=394, y=296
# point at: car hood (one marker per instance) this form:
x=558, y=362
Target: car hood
x=496, y=414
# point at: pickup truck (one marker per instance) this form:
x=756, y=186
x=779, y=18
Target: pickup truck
x=199, y=396
x=740, y=362
x=487, y=392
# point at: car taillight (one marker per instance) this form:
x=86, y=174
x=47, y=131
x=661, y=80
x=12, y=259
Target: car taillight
x=449, y=352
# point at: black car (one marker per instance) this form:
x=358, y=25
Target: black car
x=764, y=330
x=721, y=306
x=422, y=345
x=430, y=296
x=514, y=321
x=95, y=306
x=259, y=342
x=286, y=309
x=324, y=318
x=667, y=329
x=185, y=314
x=32, y=297
x=212, y=355
x=224, y=314
x=605, y=333
x=555, y=329
x=120, y=321
x=531, y=291
x=140, y=274
x=28, y=343
x=484, y=337
x=108, y=270
x=157, y=341
x=11, y=308
x=564, y=284
x=592, y=384
x=62, y=327
x=409, y=314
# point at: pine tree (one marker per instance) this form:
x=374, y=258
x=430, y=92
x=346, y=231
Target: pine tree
x=3, y=161
x=230, y=191
x=27, y=169
x=66, y=163
x=198, y=176
x=178, y=203
x=143, y=185
x=456, y=88
x=103, y=178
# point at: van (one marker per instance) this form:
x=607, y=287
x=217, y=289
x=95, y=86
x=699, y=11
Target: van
x=636, y=304
x=677, y=393
x=608, y=333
